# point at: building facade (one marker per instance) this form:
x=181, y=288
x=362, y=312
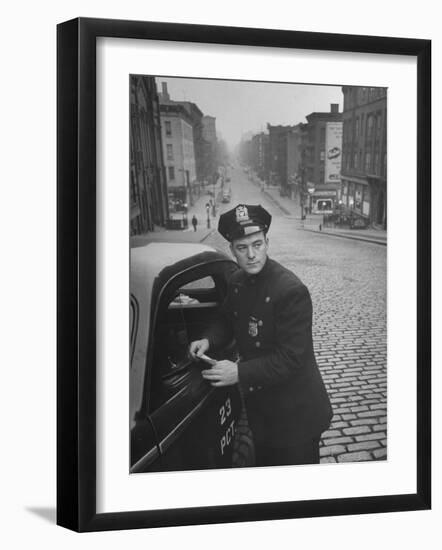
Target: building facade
x=364, y=169
x=179, y=156
x=148, y=187
x=322, y=147
x=279, y=156
x=260, y=153
x=204, y=137
x=295, y=143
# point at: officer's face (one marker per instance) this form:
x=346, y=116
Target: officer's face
x=251, y=252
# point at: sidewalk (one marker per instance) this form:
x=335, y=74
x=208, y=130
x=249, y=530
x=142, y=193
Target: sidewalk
x=184, y=235
x=314, y=222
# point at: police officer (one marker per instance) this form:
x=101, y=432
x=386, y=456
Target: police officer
x=269, y=312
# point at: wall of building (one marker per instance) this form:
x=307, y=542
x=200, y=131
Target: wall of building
x=148, y=188
x=179, y=155
x=364, y=170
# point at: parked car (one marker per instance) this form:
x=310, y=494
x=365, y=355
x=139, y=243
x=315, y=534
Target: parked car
x=178, y=421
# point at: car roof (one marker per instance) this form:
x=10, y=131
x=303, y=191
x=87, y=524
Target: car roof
x=152, y=258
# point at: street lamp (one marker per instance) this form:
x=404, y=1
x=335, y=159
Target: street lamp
x=208, y=215
x=310, y=191
x=214, y=198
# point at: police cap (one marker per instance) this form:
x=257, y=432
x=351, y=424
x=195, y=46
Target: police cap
x=244, y=220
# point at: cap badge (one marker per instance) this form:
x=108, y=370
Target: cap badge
x=242, y=214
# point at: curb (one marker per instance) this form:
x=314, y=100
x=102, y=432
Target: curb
x=275, y=201
x=329, y=234
x=211, y=232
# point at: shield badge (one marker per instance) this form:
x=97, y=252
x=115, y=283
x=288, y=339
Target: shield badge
x=253, y=327
x=242, y=214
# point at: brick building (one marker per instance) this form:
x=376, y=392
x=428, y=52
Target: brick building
x=279, y=156
x=364, y=169
x=259, y=153
x=148, y=189
x=179, y=155
x=295, y=143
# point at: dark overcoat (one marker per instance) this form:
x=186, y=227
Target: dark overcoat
x=270, y=315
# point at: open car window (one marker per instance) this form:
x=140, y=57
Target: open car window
x=189, y=304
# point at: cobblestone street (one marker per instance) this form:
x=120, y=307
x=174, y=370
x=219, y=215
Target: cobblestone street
x=347, y=282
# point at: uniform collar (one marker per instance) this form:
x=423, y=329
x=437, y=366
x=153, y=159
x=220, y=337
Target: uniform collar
x=253, y=279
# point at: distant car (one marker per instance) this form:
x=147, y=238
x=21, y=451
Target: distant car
x=178, y=421
x=226, y=196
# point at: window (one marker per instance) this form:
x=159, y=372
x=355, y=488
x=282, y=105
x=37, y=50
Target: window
x=189, y=304
x=376, y=163
x=171, y=172
x=168, y=128
x=355, y=160
x=169, y=151
x=325, y=204
x=367, y=162
x=378, y=125
x=370, y=127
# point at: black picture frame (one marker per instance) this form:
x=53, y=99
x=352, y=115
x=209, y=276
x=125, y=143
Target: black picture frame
x=76, y=272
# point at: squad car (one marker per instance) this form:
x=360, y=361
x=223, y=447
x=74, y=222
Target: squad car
x=177, y=420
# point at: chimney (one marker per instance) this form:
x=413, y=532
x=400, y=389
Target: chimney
x=334, y=107
x=164, y=92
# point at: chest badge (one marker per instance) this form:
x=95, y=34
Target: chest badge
x=253, y=327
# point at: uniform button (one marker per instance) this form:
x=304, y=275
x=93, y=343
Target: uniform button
x=235, y=314
x=236, y=290
x=259, y=388
x=251, y=388
x=267, y=300
x=258, y=344
x=260, y=323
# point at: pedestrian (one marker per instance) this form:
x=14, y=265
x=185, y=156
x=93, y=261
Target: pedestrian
x=194, y=222
x=268, y=311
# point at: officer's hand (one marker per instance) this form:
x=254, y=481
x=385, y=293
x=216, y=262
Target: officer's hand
x=198, y=348
x=223, y=373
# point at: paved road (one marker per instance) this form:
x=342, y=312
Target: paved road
x=347, y=282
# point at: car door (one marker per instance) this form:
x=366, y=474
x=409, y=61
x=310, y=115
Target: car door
x=194, y=423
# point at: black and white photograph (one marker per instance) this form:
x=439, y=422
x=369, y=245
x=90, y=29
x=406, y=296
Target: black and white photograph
x=258, y=273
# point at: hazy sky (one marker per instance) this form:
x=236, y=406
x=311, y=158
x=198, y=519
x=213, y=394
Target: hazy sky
x=241, y=106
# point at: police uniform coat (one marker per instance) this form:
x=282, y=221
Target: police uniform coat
x=270, y=315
